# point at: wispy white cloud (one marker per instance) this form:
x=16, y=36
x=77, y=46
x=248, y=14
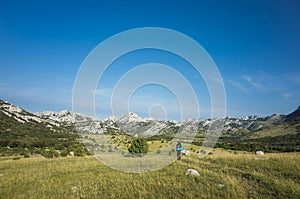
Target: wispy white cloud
x=287, y=95
x=238, y=85
x=253, y=82
x=292, y=77
x=268, y=90
x=261, y=81
x=260, y=84
x=291, y=95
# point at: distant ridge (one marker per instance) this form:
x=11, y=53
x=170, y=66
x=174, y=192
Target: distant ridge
x=294, y=116
x=24, y=133
x=60, y=130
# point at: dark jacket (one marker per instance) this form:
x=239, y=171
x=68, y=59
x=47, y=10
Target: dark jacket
x=179, y=147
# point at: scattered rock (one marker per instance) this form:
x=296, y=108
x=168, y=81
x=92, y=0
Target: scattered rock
x=185, y=152
x=220, y=185
x=259, y=153
x=74, y=189
x=192, y=172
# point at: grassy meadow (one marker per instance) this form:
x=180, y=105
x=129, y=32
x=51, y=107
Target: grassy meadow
x=223, y=174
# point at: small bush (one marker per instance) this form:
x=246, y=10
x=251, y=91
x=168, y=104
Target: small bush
x=139, y=145
x=26, y=156
x=64, y=153
x=50, y=154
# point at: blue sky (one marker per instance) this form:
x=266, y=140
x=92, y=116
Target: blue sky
x=255, y=45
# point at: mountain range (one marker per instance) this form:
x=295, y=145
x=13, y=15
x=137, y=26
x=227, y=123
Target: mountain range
x=17, y=125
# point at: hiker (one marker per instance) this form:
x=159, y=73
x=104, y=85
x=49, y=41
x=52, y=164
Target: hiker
x=178, y=150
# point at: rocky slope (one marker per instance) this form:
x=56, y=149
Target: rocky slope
x=22, y=132
x=17, y=125
x=132, y=124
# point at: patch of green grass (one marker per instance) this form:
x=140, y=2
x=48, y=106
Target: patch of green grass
x=156, y=145
x=222, y=175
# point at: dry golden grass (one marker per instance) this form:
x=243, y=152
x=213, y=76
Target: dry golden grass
x=222, y=175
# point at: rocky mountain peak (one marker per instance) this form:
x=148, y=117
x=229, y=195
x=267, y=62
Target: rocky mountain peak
x=130, y=117
x=132, y=123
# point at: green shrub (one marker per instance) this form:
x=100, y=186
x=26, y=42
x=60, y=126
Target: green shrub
x=64, y=153
x=139, y=145
x=26, y=156
x=50, y=154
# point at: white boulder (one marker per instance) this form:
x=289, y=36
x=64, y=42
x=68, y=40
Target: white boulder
x=185, y=152
x=259, y=153
x=192, y=172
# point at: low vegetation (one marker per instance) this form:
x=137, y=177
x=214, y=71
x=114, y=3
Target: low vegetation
x=281, y=143
x=31, y=138
x=223, y=174
x=139, y=145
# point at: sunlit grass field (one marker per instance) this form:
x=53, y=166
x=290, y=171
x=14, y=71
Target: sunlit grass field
x=222, y=175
